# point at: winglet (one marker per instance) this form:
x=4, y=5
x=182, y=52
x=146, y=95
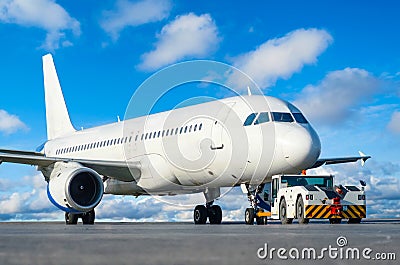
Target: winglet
x=363, y=158
x=57, y=118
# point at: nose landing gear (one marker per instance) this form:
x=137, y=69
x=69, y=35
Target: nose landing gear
x=256, y=212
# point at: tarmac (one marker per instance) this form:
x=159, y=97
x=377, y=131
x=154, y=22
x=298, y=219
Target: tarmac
x=186, y=243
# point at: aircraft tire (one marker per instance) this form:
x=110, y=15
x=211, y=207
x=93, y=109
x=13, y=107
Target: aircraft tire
x=215, y=214
x=88, y=218
x=249, y=216
x=200, y=214
x=71, y=218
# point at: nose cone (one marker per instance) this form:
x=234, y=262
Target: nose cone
x=301, y=147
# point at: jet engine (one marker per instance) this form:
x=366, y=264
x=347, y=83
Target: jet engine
x=74, y=188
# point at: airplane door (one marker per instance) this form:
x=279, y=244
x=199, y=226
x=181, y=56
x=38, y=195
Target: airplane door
x=217, y=130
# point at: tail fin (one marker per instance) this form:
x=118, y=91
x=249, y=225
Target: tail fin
x=57, y=118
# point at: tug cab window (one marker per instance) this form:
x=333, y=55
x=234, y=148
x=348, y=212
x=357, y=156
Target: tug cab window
x=282, y=117
x=263, y=117
x=249, y=120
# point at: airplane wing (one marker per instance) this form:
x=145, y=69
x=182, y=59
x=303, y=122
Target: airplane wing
x=340, y=160
x=113, y=169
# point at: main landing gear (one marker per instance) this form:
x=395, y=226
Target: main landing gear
x=255, y=212
x=210, y=211
x=213, y=212
x=87, y=218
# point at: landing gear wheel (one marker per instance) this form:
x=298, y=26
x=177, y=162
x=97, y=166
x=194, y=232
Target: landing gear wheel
x=300, y=212
x=249, y=216
x=354, y=221
x=335, y=220
x=200, y=214
x=88, y=218
x=71, y=218
x=263, y=220
x=215, y=214
x=283, y=213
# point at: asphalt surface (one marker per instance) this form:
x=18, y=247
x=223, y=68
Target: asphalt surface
x=186, y=243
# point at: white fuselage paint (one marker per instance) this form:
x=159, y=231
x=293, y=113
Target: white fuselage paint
x=222, y=153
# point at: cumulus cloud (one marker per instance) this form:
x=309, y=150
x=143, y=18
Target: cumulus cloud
x=281, y=57
x=337, y=96
x=10, y=123
x=188, y=36
x=44, y=14
x=394, y=124
x=26, y=199
x=127, y=13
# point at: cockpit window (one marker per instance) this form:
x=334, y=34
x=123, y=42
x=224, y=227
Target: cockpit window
x=282, y=117
x=249, y=120
x=299, y=118
x=263, y=117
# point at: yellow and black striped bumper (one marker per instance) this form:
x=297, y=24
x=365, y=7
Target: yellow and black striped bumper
x=324, y=211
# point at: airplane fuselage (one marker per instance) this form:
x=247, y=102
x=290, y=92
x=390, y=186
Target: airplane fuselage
x=207, y=145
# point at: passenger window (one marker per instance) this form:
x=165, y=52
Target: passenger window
x=136, y=137
x=190, y=128
x=263, y=117
x=282, y=117
x=195, y=127
x=201, y=126
x=186, y=129
x=299, y=118
x=181, y=130
x=249, y=120
x=159, y=133
x=176, y=131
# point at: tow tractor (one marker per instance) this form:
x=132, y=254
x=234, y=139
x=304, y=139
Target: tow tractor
x=305, y=197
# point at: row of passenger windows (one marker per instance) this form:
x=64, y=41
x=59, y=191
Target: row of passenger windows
x=143, y=136
x=262, y=117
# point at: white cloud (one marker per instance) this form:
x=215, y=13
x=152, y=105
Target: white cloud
x=394, y=124
x=127, y=13
x=281, y=57
x=187, y=36
x=13, y=204
x=44, y=14
x=10, y=123
x=337, y=96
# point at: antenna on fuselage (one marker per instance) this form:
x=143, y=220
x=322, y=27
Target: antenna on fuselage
x=119, y=120
x=248, y=91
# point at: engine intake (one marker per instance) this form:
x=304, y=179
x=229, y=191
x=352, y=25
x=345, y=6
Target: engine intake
x=74, y=188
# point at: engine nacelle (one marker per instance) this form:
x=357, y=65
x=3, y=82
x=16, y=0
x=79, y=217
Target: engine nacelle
x=74, y=188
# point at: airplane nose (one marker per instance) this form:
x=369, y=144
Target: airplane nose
x=301, y=148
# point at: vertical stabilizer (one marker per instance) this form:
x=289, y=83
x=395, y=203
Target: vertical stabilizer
x=57, y=118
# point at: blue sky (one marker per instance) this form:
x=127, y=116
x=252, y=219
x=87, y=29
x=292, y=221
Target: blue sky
x=337, y=60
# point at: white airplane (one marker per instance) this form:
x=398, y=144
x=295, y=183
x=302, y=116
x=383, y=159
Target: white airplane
x=237, y=141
